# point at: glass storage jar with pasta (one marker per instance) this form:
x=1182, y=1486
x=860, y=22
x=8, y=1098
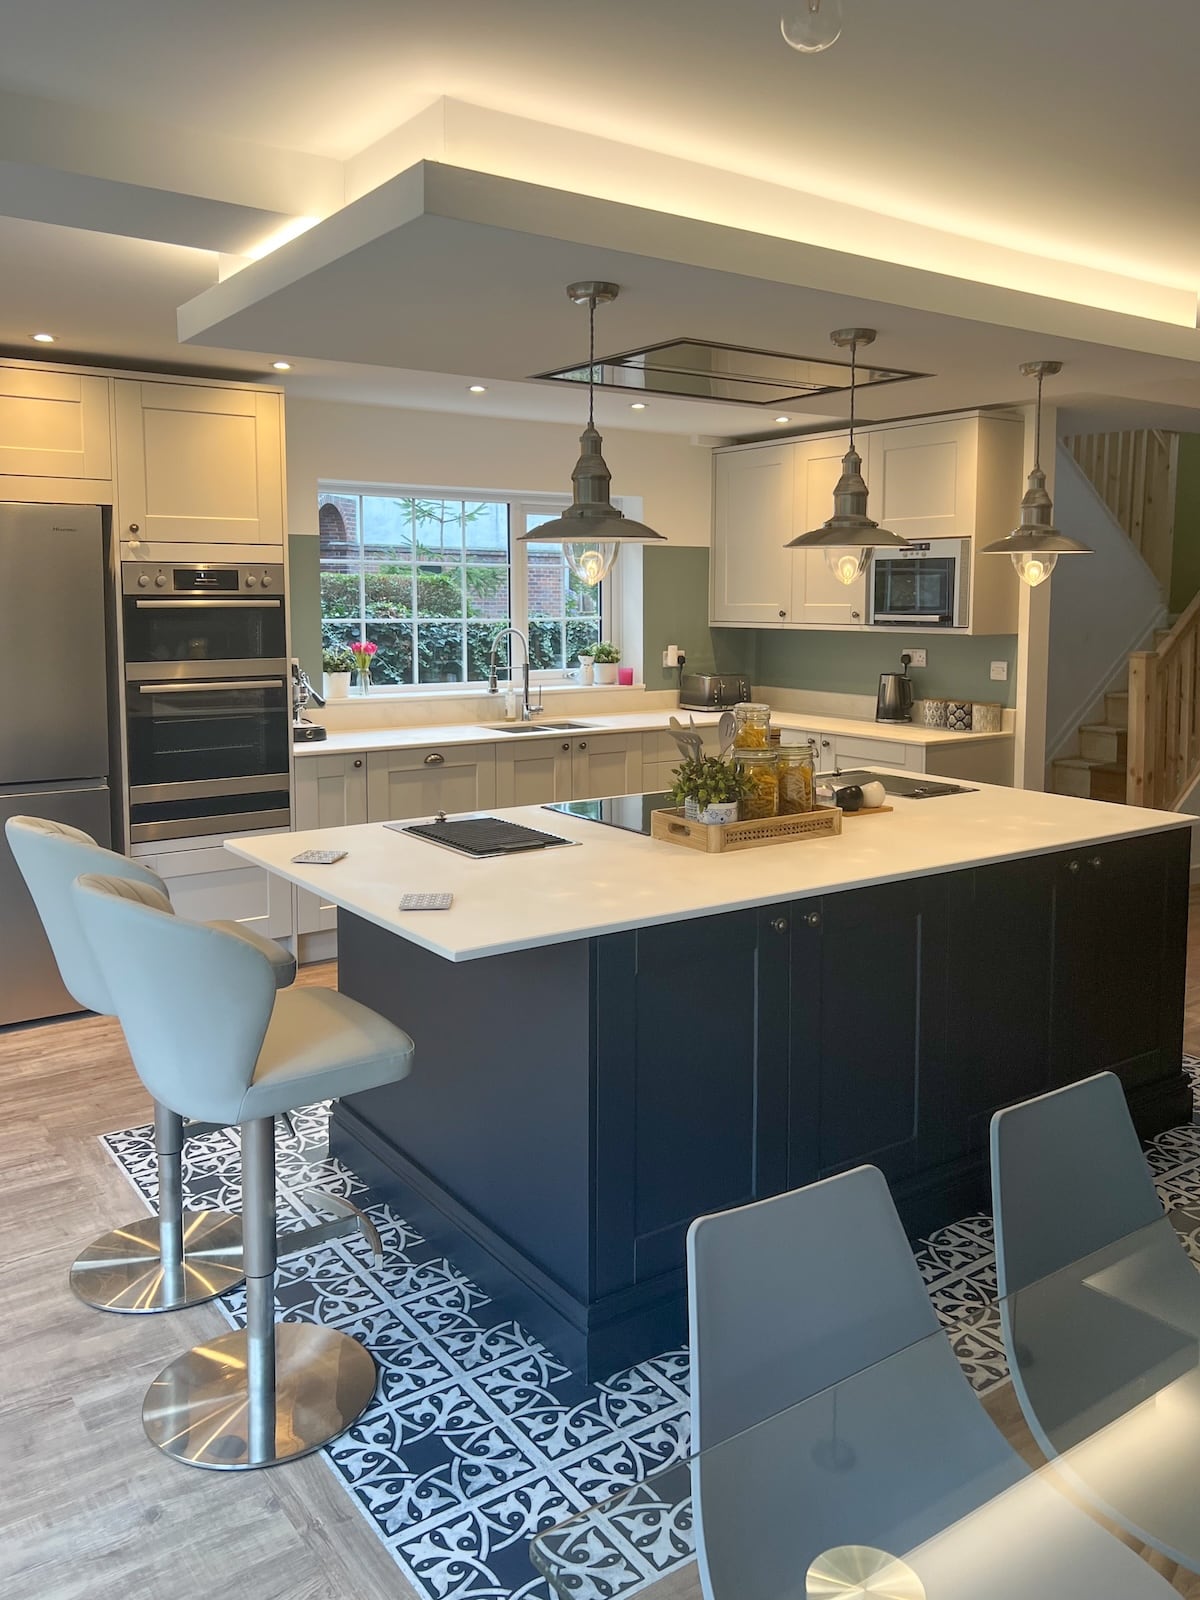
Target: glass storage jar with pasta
x=796, y=764
x=761, y=768
x=752, y=726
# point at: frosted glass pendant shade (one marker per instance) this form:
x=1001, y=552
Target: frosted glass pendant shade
x=591, y=561
x=847, y=566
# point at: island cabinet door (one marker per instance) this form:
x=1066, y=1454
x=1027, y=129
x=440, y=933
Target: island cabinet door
x=1001, y=935
x=690, y=1085
x=868, y=1030
x=1120, y=941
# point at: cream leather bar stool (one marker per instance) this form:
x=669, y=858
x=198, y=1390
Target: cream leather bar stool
x=268, y=1394
x=177, y=1258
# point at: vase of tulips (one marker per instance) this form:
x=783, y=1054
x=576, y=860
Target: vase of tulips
x=363, y=653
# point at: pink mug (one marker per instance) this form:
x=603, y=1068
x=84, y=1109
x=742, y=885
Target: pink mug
x=625, y=676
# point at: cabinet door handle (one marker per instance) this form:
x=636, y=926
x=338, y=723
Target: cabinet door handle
x=358, y=761
x=1096, y=862
x=855, y=616
x=583, y=744
x=566, y=744
x=824, y=744
x=783, y=613
x=779, y=924
x=813, y=919
x=1072, y=866
x=433, y=759
x=133, y=528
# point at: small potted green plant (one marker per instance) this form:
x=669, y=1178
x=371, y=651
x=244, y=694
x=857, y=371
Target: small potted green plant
x=606, y=656
x=337, y=664
x=709, y=789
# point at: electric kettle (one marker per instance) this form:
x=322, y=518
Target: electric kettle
x=895, y=699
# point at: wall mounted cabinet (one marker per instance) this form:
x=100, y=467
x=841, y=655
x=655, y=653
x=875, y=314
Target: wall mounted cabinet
x=54, y=426
x=957, y=477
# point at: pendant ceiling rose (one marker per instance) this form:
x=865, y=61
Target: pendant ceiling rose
x=591, y=530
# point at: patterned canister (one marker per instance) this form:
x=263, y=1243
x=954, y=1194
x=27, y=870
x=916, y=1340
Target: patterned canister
x=987, y=716
x=931, y=713
x=958, y=716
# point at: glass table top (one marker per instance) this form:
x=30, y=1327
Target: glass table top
x=895, y=1482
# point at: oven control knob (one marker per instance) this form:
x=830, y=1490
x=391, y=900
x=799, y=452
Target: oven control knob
x=143, y=581
x=266, y=580
x=251, y=580
x=160, y=580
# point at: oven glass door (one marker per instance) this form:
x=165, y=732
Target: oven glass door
x=167, y=632
x=202, y=734
x=920, y=587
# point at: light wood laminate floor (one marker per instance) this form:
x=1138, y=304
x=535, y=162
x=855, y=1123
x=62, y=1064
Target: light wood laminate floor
x=89, y=1511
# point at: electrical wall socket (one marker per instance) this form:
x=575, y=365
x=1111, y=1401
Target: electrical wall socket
x=999, y=671
x=672, y=656
x=919, y=657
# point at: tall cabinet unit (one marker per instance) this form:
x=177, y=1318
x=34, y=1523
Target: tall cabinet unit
x=954, y=478
x=198, y=464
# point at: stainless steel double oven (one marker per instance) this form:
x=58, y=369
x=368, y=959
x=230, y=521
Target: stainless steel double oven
x=208, y=715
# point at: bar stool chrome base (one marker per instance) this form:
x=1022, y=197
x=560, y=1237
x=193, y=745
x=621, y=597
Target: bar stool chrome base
x=198, y=1409
x=124, y=1270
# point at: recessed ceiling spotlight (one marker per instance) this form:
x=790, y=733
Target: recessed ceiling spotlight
x=783, y=419
x=282, y=366
x=638, y=405
x=42, y=338
x=477, y=388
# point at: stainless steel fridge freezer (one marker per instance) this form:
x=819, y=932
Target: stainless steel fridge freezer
x=54, y=718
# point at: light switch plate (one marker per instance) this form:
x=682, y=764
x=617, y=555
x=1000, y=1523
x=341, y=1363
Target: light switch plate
x=920, y=658
x=999, y=671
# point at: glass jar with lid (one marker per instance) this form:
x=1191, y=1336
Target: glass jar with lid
x=761, y=768
x=752, y=725
x=796, y=764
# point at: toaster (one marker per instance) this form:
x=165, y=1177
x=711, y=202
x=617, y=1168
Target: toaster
x=711, y=691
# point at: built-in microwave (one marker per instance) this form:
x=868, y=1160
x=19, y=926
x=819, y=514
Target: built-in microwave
x=925, y=585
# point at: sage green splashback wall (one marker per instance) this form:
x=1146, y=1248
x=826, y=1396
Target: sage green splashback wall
x=304, y=595
x=675, y=611
x=850, y=663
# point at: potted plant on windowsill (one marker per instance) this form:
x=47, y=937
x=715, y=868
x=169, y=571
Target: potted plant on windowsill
x=337, y=664
x=709, y=789
x=606, y=656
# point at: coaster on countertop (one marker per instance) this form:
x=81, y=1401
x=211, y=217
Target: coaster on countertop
x=426, y=902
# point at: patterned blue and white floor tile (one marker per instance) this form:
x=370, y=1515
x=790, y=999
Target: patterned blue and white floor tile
x=478, y=1437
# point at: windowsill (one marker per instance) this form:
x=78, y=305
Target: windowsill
x=457, y=691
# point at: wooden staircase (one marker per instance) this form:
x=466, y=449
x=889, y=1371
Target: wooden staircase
x=1164, y=716
x=1100, y=768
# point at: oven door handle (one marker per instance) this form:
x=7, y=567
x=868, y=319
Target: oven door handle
x=201, y=605
x=206, y=686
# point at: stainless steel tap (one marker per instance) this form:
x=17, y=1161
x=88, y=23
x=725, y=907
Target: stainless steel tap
x=527, y=711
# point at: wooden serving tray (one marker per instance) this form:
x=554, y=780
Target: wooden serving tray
x=716, y=838
x=868, y=811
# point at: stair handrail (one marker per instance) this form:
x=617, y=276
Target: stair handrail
x=1164, y=717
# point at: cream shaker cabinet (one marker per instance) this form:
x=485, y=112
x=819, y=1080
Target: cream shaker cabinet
x=605, y=763
x=532, y=772
x=331, y=792
x=422, y=781
x=53, y=425
x=818, y=597
x=753, y=494
x=198, y=465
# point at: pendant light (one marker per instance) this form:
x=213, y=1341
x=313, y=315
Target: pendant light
x=591, y=530
x=849, y=536
x=1036, y=544
x=811, y=26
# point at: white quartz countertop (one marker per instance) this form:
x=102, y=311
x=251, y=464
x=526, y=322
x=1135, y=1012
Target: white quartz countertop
x=419, y=736
x=616, y=880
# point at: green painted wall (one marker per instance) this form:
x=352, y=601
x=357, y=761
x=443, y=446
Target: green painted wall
x=850, y=663
x=675, y=611
x=304, y=594
x=1185, y=555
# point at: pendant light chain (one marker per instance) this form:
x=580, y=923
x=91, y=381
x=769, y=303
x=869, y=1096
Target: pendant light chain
x=853, y=374
x=592, y=361
x=1037, y=427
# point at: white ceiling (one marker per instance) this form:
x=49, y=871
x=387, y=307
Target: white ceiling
x=1065, y=131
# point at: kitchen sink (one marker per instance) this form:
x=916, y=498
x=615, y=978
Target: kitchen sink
x=536, y=727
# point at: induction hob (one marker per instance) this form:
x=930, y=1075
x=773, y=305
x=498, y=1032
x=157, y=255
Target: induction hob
x=628, y=811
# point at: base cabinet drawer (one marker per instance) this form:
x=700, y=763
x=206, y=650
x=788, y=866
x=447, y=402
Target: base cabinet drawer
x=210, y=885
x=423, y=781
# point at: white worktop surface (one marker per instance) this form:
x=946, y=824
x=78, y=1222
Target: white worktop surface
x=616, y=880
x=420, y=736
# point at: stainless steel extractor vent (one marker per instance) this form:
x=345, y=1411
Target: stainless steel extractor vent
x=696, y=369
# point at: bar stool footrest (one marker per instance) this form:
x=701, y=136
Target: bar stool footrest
x=198, y=1409
x=122, y=1271
x=346, y=1219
